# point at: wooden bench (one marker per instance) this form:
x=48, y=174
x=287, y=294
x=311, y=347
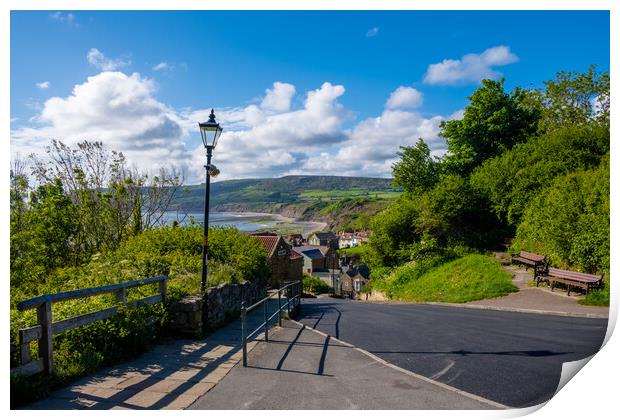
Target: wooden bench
x=529, y=259
x=583, y=281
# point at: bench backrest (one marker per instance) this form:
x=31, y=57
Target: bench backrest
x=574, y=275
x=532, y=256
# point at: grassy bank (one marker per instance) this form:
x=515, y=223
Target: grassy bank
x=472, y=277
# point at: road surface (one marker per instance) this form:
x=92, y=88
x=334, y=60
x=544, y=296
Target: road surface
x=509, y=357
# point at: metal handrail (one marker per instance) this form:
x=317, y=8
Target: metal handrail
x=293, y=297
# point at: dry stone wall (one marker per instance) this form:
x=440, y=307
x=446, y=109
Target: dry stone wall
x=195, y=315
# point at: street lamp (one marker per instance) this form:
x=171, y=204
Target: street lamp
x=210, y=132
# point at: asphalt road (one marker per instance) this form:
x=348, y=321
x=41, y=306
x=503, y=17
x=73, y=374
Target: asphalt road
x=509, y=357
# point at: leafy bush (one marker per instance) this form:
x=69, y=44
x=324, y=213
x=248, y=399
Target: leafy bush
x=512, y=180
x=315, y=285
x=569, y=221
x=176, y=251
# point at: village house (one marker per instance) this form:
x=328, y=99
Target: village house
x=352, y=279
x=285, y=264
x=322, y=262
x=313, y=257
x=327, y=239
x=295, y=239
x=352, y=239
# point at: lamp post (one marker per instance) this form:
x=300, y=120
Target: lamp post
x=210, y=132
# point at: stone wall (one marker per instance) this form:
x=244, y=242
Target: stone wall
x=186, y=316
x=222, y=304
x=193, y=315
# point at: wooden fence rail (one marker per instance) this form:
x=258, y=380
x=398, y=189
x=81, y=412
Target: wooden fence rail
x=46, y=329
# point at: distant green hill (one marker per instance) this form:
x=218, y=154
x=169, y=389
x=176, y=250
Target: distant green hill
x=259, y=194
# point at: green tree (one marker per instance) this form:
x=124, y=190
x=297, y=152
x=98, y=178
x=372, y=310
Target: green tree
x=493, y=122
x=416, y=170
x=512, y=180
x=393, y=230
x=575, y=98
x=44, y=240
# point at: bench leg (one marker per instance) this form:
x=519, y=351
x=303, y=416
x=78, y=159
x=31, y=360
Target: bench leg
x=568, y=290
x=552, y=284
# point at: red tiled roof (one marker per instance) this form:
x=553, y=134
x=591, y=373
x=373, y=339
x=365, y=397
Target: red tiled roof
x=269, y=242
x=295, y=255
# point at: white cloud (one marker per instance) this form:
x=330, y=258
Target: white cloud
x=268, y=144
x=371, y=146
x=372, y=32
x=162, y=66
x=43, y=85
x=265, y=139
x=404, y=97
x=98, y=59
x=64, y=17
x=471, y=68
x=279, y=97
x=114, y=108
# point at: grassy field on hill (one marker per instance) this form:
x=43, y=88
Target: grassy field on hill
x=272, y=193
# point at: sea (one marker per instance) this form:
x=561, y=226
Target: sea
x=246, y=222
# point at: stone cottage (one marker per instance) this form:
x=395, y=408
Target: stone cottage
x=285, y=264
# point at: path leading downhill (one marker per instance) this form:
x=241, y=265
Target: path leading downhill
x=170, y=376
x=301, y=369
x=509, y=357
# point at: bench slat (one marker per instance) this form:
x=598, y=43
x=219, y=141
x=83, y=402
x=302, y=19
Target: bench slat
x=574, y=275
x=532, y=256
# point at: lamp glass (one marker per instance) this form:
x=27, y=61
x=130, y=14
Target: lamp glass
x=210, y=131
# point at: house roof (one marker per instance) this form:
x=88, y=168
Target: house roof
x=362, y=270
x=326, y=235
x=295, y=255
x=312, y=252
x=316, y=250
x=268, y=242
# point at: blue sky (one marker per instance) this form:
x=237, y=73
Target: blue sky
x=146, y=78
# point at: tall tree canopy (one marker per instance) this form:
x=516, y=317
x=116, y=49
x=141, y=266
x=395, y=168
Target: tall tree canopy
x=493, y=122
x=416, y=170
x=575, y=98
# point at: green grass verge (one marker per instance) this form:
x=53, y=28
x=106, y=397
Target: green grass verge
x=598, y=297
x=472, y=277
x=360, y=250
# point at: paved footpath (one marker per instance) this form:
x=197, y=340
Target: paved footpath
x=300, y=368
x=170, y=376
x=538, y=299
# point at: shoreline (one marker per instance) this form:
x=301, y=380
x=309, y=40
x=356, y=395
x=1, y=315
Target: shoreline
x=279, y=220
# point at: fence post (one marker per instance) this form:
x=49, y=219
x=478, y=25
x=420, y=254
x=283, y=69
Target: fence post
x=121, y=296
x=24, y=349
x=266, y=320
x=279, y=307
x=288, y=299
x=163, y=291
x=243, y=335
x=44, y=318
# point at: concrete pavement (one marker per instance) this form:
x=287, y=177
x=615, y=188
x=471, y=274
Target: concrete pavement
x=170, y=376
x=303, y=369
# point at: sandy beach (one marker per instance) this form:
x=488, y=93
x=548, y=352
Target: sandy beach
x=273, y=221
